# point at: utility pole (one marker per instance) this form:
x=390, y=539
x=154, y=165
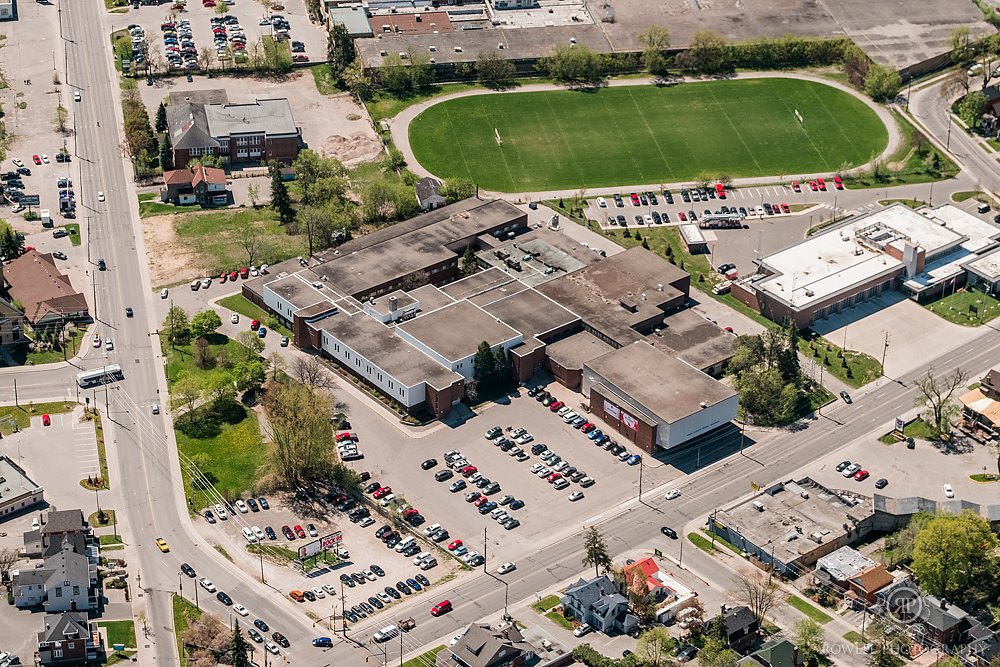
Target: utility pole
x=15, y=392
x=885, y=346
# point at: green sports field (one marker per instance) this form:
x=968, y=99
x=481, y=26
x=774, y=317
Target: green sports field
x=643, y=134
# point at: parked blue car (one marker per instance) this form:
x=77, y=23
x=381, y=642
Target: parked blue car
x=634, y=460
x=595, y=434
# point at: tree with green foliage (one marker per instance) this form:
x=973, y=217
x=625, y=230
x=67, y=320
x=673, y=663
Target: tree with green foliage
x=394, y=160
x=899, y=545
x=11, y=241
x=311, y=167
x=205, y=323
x=239, y=647
x=166, y=152
x=484, y=366
x=358, y=81
x=420, y=70
x=882, y=83
x=177, y=326
x=954, y=556
x=495, y=71
x=970, y=109
x=161, y=118
x=715, y=651
x=960, y=41
x=708, y=53
x=300, y=431
x=573, y=64
x=881, y=656
x=220, y=388
x=503, y=371
x=281, y=201
x=249, y=375
x=340, y=51
x=189, y=390
x=655, y=646
x=809, y=640
x=251, y=342
x=457, y=189
x=655, y=41
x=595, y=549
x=393, y=75
x=469, y=264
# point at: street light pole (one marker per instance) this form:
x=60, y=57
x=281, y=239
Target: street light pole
x=885, y=346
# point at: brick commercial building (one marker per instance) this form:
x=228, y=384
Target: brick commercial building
x=394, y=309
x=924, y=253
x=205, y=123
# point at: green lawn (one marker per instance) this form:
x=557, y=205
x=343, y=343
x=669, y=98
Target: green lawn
x=912, y=203
x=808, y=609
x=701, y=542
x=225, y=443
x=148, y=209
x=74, y=232
x=34, y=357
x=917, y=428
x=957, y=308
x=559, y=619
x=546, y=603
x=240, y=304
x=972, y=194
x=913, y=162
x=854, y=637
x=108, y=514
x=214, y=237
x=646, y=134
x=110, y=539
x=120, y=632
x=323, y=80
x=860, y=368
x=184, y=614
x=387, y=105
x=424, y=659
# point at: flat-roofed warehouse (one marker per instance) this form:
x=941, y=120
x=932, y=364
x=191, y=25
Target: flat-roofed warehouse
x=653, y=399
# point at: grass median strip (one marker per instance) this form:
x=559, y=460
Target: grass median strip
x=812, y=612
x=185, y=613
x=424, y=659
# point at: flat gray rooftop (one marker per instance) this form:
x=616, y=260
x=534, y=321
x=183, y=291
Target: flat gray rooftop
x=529, y=311
x=296, y=290
x=574, y=351
x=695, y=340
x=656, y=381
x=594, y=293
x=16, y=483
x=898, y=33
x=480, y=281
x=430, y=297
x=377, y=342
x=456, y=330
x=785, y=509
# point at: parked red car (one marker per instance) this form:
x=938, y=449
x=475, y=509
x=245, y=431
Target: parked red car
x=46, y=420
x=821, y=184
x=382, y=492
x=288, y=532
x=555, y=406
x=454, y=545
x=838, y=183
x=796, y=187
x=244, y=272
x=255, y=325
x=469, y=470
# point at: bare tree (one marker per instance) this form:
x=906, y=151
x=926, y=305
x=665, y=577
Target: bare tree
x=205, y=58
x=253, y=194
x=8, y=558
x=277, y=363
x=935, y=394
x=311, y=372
x=300, y=431
x=62, y=116
x=252, y=342
x=755, y=589
x=250, y=240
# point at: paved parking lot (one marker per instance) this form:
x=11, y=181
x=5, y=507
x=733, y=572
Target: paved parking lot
x=364, y=549
x=249, y=14
x=547, y=512
x=921, y=471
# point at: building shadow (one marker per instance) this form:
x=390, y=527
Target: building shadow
x=708, y=449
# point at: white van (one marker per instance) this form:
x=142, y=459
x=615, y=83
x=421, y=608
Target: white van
x=602, y=202
x=247, y=533
x=975, y=69
x=387, y=500
x=421, y=557
x=195, y=285
x=405, y=544
x=386, y=633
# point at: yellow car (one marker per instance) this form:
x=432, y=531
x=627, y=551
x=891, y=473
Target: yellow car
x=162, y=544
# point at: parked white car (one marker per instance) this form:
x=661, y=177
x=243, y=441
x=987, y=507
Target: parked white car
x=506, y=567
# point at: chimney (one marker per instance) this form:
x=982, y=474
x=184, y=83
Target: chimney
x=944, y=603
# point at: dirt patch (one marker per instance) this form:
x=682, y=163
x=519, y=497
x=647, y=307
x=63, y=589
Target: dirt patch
x=358, y=147
x=168, y=257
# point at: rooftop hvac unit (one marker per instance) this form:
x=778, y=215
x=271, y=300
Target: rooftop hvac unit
x=759, y=506
x=816, y=537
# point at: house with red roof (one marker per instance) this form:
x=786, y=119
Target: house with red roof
x=195, y=185
x=669, y=595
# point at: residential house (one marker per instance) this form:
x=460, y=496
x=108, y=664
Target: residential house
x=598, y=603
x=866, y=585
x=46, y=294
x=482, y=646
x=981, y=408
x=428, y=195
x=776, y=652
x=11, y=332
x=668, y=595
x=254, y=132
x=983, y=646
x=195, y=185
x=929, y=619
x=57, y=527
x=853, y=573
x=742, y=627
x=66, y=582
x=69, y=639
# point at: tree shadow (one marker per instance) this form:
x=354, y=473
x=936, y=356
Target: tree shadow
x=206, y=421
